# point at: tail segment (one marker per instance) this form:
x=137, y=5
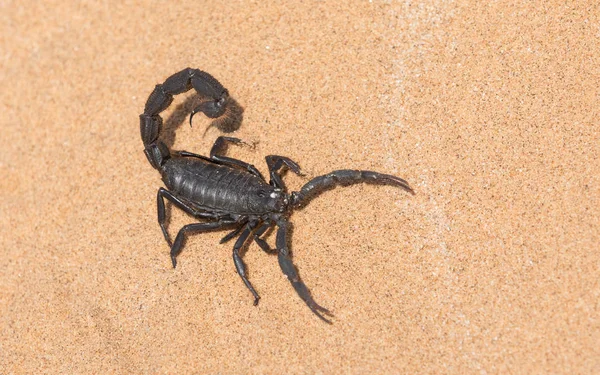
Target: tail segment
x=151, y=123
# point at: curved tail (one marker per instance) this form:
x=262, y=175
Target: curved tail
x=151, y=123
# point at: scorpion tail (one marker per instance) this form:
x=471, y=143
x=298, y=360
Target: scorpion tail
x=205, y=85
x=344, y=177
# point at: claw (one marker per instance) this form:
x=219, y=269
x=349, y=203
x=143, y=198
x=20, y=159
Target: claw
x=344, y=177
x=288, y=268
x=317, y=309
x=290, y=271
x=396, y=181
x=322, y=317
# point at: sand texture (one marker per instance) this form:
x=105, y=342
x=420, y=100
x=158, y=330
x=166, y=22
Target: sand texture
x=490, y=110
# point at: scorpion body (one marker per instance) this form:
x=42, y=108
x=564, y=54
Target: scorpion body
x=227, y=193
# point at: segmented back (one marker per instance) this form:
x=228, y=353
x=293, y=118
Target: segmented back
x=212, y=186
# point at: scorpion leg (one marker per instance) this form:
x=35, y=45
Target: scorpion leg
x=160, y=204
x=224, y=160
x=288, y=268
x=234, y=232
x=239, y=263
x=256, y=236
x=195, y=228
x=220, y=147
x=344, y=177
x=192, y=155
x=275, y=162
x=261, y=242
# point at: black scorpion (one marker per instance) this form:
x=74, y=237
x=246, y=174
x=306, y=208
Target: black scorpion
x=230, y=193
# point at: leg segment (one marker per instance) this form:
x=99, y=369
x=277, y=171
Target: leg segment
x=288, y=268
x=220, y=147
x=239, y=263
x=192, y=155
x=344, y=177
x=160, y=204
x=233, y=233
x=261, y=242
x=256, y=236
x=275, y=162
x=216, y=155
x=195, y=228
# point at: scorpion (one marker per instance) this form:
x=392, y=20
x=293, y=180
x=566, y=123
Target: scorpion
x=226, y=193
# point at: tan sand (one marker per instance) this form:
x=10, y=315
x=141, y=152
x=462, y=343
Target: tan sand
x=489, y=111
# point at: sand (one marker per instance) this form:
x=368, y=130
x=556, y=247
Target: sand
x=490, y=111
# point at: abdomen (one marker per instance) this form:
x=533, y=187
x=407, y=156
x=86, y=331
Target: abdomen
x=211, y=186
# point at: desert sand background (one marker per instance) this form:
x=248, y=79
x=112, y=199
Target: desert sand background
x=489, y=110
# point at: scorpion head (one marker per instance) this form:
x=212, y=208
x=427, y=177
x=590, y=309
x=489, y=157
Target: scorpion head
x=270, y=200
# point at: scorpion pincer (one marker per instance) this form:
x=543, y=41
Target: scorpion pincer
x=226, y=193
